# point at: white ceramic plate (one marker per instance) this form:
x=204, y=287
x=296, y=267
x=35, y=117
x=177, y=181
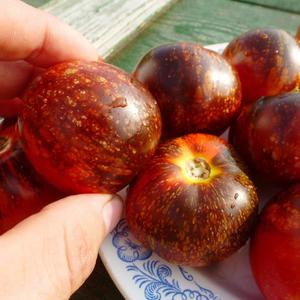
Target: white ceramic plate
x=141, y=274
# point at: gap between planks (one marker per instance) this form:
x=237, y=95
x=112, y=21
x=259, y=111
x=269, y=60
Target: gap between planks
x=108, y=24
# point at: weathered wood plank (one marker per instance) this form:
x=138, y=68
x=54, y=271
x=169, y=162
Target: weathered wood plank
x=288, y=5
x=108, y=24
x=207, y=22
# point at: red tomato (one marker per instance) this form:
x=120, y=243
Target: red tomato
x=22, y=190
x=10, y=107
x=275, y=247
x=88, y=127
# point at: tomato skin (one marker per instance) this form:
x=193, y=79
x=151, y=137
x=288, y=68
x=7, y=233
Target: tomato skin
x=275, y=247
x=88, y=127
x=7, y=122
x=267, y=135
x=267, y=61
x=196, y=89
x=187, y=219
x=10, y=108
x=22, y=190
x=298, y=34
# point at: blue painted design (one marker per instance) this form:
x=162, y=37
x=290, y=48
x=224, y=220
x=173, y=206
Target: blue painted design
x=185, y=274
x=204, y=291
x=127, y=250
x=154, y=277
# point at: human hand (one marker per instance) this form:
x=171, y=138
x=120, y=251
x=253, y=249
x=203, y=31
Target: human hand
x=50, y=254
x=30, y=40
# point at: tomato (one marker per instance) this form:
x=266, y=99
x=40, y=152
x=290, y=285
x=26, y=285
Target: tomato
x=192, y=204
x=267, y=136
x=196, y=89
x=88, y=126
x=267, y=61
x=22, y=190
x=275, y=247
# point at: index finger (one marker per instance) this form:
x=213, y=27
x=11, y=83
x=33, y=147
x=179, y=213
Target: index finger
x=29, y=34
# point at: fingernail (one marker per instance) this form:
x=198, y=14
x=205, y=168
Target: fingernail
x=112, y=212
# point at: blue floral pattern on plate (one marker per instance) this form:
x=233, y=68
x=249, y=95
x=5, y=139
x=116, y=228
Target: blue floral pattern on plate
x=152, y=275
x=127, y=250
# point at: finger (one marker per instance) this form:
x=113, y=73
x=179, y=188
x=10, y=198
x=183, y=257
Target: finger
x=14, y=77
x=30, y=34
x=49, y=255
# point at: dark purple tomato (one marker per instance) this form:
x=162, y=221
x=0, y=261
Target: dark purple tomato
x=267, y=61
x=192, y=204
x=88, y=126
x=267, y=136
x=196, y=89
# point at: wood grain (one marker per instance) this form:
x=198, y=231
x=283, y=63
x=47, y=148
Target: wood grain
x=206, y=22
x=107, y=24
x=287, y=5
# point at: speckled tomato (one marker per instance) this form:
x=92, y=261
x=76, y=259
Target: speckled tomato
x=88, y=126
x=267, y=135
x=267, y=61
x=196, y=89
x=192, y=204
x=22, y=191
x=240, y=131
x=275, y=247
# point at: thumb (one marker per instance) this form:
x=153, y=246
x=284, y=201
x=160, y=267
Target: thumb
x=50, y=254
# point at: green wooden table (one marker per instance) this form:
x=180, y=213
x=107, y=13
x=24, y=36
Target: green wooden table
x=203, y=21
